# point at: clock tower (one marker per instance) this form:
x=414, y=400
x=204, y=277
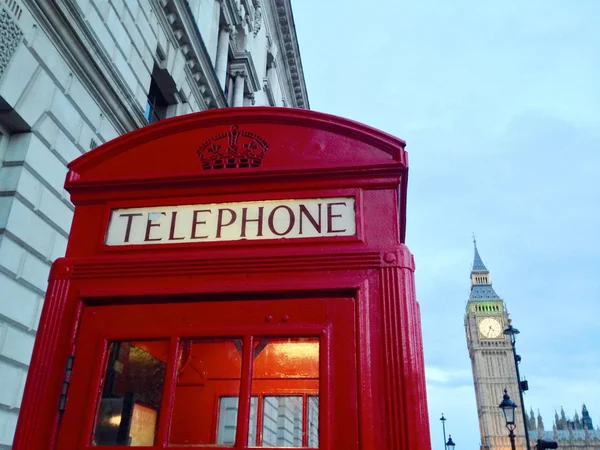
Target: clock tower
x=492, y=360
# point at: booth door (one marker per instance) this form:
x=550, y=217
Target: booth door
x=238, y=374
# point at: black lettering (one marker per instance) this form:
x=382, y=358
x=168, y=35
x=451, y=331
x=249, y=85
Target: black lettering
x=304, y=212
x=245, y=220
x=220, y=224
x=130, y=217
x=291, y=223
x=172, y=231
x=331, y=216
x=196, y=222
x=149, y=225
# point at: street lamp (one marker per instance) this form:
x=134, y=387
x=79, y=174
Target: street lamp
x=508, y=410
x=443, y=419
x=450, y=444
x=512, y=333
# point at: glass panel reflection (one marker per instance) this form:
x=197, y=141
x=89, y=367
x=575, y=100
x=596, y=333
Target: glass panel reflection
x=281, y=367
x=253, y=419
x=282, y=422
x=207, y=392
x=132, y=391
x=228, y=410
x=313, y=421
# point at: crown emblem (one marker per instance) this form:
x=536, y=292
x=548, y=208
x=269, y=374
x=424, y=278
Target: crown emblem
x=233, y=149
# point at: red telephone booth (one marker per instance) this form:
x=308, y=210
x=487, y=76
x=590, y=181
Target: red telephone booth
x=234, y=278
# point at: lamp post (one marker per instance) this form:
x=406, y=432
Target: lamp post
x=512, y=333
x=450, y=444
x=508, y=410
x=443, y=419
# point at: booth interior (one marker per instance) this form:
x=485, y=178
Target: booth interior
x=284, y=401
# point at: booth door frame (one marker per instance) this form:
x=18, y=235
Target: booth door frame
x=332, y=320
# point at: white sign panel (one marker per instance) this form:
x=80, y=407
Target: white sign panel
x=274, y=219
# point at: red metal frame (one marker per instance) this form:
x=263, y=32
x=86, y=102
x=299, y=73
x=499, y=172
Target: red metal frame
x=90, y=366
x=310, y=155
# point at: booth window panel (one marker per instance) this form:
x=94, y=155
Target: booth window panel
x=206, y=392
x=252, y=431
x=282, y=422
x=228, y=410
x=129, y=405
x=313, y=421
x=285, y=377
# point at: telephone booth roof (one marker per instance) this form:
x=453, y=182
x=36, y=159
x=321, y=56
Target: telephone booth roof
x=314, y=140
x=277, y=149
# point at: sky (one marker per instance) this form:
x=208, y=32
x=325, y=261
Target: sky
x=499, y=102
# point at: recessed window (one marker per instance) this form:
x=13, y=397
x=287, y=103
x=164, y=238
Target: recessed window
x=162, y=94
x=156, y=107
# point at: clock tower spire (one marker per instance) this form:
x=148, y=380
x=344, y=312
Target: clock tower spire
x=491, y=358
x=481, y=283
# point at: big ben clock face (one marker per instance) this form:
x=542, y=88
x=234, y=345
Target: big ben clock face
x=490, y=328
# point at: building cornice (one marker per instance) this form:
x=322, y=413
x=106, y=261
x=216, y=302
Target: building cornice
x=231, y=13
x=198, y=60
x=286, y=30
x=62, y=22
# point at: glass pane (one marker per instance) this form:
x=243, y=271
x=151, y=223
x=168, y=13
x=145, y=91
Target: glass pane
x=132, y=391
x=228, y=409
x=207, y=392
x=284, y=371
x=313, y=421
x=253, y=419
x=282, y=422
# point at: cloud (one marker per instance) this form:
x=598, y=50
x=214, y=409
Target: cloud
x=437, y=375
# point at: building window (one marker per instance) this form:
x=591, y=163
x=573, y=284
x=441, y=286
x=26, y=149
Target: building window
x=156, y=107
x=162, y=96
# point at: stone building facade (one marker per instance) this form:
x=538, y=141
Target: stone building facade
x=571, y=434
x=77, y=73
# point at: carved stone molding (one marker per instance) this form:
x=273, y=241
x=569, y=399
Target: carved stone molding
x=250, y=97
x=239, y=72
x=232, y=12
x=243, y=62
x=10, y=38
x=257, y=20
x=231, y=30
x=269, y=91
x=282, y=9
x=185, y=29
